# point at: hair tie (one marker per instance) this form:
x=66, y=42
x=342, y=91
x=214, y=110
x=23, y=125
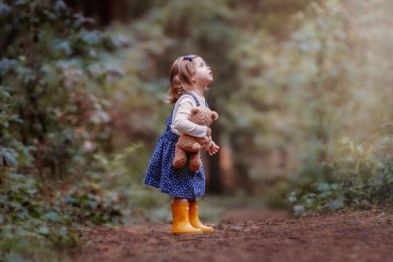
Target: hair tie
x=189, y=58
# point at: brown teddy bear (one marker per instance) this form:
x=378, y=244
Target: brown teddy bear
x=189, y=147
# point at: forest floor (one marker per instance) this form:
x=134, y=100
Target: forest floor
x=249, y=235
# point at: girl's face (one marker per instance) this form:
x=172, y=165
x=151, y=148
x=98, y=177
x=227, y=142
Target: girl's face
x=203, y=75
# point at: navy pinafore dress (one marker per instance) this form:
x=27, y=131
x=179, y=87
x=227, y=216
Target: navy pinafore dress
x=161, y=174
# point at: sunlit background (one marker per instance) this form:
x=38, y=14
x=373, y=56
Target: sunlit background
x=304, y=90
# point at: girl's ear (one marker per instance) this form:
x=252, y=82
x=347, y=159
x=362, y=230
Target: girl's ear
x=195, y=111
x=214, y=115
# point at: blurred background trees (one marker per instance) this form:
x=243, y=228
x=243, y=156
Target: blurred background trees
x=303, y=89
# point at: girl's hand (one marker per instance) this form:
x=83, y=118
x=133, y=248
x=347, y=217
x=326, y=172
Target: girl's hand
x=213, y=149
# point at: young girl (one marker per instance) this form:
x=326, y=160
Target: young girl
x=189, y=78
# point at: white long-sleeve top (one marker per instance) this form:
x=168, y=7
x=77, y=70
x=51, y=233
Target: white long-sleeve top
x=181, y=111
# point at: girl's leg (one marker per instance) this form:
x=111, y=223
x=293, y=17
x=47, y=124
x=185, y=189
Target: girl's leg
x=180, y=217
x=194, y=217
x=179, y=199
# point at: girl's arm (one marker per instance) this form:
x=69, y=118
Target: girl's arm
x=181, y=122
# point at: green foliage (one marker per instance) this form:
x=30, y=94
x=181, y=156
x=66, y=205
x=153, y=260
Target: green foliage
x=362, y=177
x=351, y=166
x=29, y=225
x=53, y=118
x=50, y=73
x=122, y=183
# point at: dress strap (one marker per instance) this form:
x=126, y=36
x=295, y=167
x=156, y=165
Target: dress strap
x=196, y=100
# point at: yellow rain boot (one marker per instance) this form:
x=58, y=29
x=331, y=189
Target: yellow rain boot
x=194, y=218
x=181, y=223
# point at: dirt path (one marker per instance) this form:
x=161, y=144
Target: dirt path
x=269, y=236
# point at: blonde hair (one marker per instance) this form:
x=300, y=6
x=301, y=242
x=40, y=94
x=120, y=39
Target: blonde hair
x=180, y=77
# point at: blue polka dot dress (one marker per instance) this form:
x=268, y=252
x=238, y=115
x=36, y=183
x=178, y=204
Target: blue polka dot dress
x=161, y=174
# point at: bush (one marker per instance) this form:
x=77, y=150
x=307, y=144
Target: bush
x=53, y=120
x=361, y=176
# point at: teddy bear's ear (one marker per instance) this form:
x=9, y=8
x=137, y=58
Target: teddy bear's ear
x=214, y=115
x=195, y=110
